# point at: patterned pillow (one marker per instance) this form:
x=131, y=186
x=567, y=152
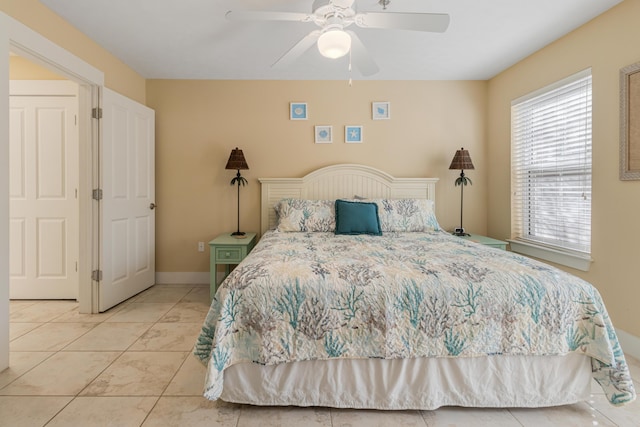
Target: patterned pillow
x=406, y=215
x=306, y=215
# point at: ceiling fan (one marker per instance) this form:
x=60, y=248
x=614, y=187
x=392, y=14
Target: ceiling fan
x=333, y=39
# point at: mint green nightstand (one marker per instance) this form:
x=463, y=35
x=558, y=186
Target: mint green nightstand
x=488, y=241
x=227, y=250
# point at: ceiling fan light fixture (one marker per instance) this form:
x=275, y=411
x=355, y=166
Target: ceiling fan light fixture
x=334, y=43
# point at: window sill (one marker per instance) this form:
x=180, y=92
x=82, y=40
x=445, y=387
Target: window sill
x=568, y=259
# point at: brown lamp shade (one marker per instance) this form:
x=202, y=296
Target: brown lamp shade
x=236, y=160
x=461, y=160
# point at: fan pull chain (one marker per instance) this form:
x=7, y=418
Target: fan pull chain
x=350, y=80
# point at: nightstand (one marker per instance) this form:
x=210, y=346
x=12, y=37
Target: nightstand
x=488, y=241
x=227, y=250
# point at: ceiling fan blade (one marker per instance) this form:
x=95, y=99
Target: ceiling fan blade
x=264, y=15
x=345, y=4
x=297, y=50
x=431, y=22
x=361, y=57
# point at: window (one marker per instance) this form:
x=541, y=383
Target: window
x=551, y=172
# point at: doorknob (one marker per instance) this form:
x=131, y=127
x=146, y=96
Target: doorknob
x=152, y=206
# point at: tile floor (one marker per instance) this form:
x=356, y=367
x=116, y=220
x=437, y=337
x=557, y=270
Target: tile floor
x=131, y=366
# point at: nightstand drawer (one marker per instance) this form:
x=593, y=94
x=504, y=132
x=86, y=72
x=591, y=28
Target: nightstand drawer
x=232, y=255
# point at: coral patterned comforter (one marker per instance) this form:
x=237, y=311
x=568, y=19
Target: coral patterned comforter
x=302, y=296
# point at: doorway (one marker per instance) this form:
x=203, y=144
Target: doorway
x=56, y=269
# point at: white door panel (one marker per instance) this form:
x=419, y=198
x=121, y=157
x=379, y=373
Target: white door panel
x=18, y=258
x=17, y=156
x=43, y=197
x=127, y=256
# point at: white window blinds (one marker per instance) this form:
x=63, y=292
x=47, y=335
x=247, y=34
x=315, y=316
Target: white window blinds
x=551, y=165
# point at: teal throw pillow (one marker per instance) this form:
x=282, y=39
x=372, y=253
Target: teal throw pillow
x=357, y=218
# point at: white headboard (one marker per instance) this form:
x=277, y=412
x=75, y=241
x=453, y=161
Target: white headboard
x=340, y=181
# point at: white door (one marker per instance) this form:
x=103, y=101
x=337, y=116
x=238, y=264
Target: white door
x=127, y=214
x=43, y=197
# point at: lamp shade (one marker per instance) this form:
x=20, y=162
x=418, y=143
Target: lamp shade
x=461, y=160
x=334, y=43
x=236, y=160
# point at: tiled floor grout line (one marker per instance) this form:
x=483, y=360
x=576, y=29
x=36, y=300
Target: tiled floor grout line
x=60, y=411
x=28, y=370
x=98, y=375
x=602, y=414
x=424, y=420
x=146, y=417
x=515, y=417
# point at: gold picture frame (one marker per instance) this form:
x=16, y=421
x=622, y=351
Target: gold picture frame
x=630, y=122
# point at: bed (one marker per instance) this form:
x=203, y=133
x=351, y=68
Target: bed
x=395, y=313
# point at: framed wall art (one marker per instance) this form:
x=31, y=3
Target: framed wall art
x=298, y=111
x=630, y=122
x=353, y=134
x=324, y=134
x=381, y=110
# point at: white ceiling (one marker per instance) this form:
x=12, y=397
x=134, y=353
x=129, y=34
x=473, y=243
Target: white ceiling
x=190, y=39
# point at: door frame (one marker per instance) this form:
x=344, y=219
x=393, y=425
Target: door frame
x=17, y=37
x=88, y=95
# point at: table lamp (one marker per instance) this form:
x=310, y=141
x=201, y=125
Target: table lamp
x=461, y=160
x=236, y=161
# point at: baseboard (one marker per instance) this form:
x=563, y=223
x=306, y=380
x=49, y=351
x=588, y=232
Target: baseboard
x=182, y=278
x=630, y=343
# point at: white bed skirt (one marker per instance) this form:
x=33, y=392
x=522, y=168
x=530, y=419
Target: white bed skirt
x=425, y=383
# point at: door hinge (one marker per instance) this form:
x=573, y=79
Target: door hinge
x=96, y=113
x=96, y=275
x=97, y=194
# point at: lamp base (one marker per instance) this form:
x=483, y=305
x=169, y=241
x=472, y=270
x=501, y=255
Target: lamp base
x=460, y=232
x=239, y=234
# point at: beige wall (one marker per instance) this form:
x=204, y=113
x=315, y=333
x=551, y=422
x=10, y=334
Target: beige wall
x=23, y=69
x=199, y=122
x=118, y=76
x=606, y=44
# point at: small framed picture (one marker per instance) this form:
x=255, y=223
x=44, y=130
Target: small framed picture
x=381, y=110
x=298, y=111
x=353, y=134
x=324, y=134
